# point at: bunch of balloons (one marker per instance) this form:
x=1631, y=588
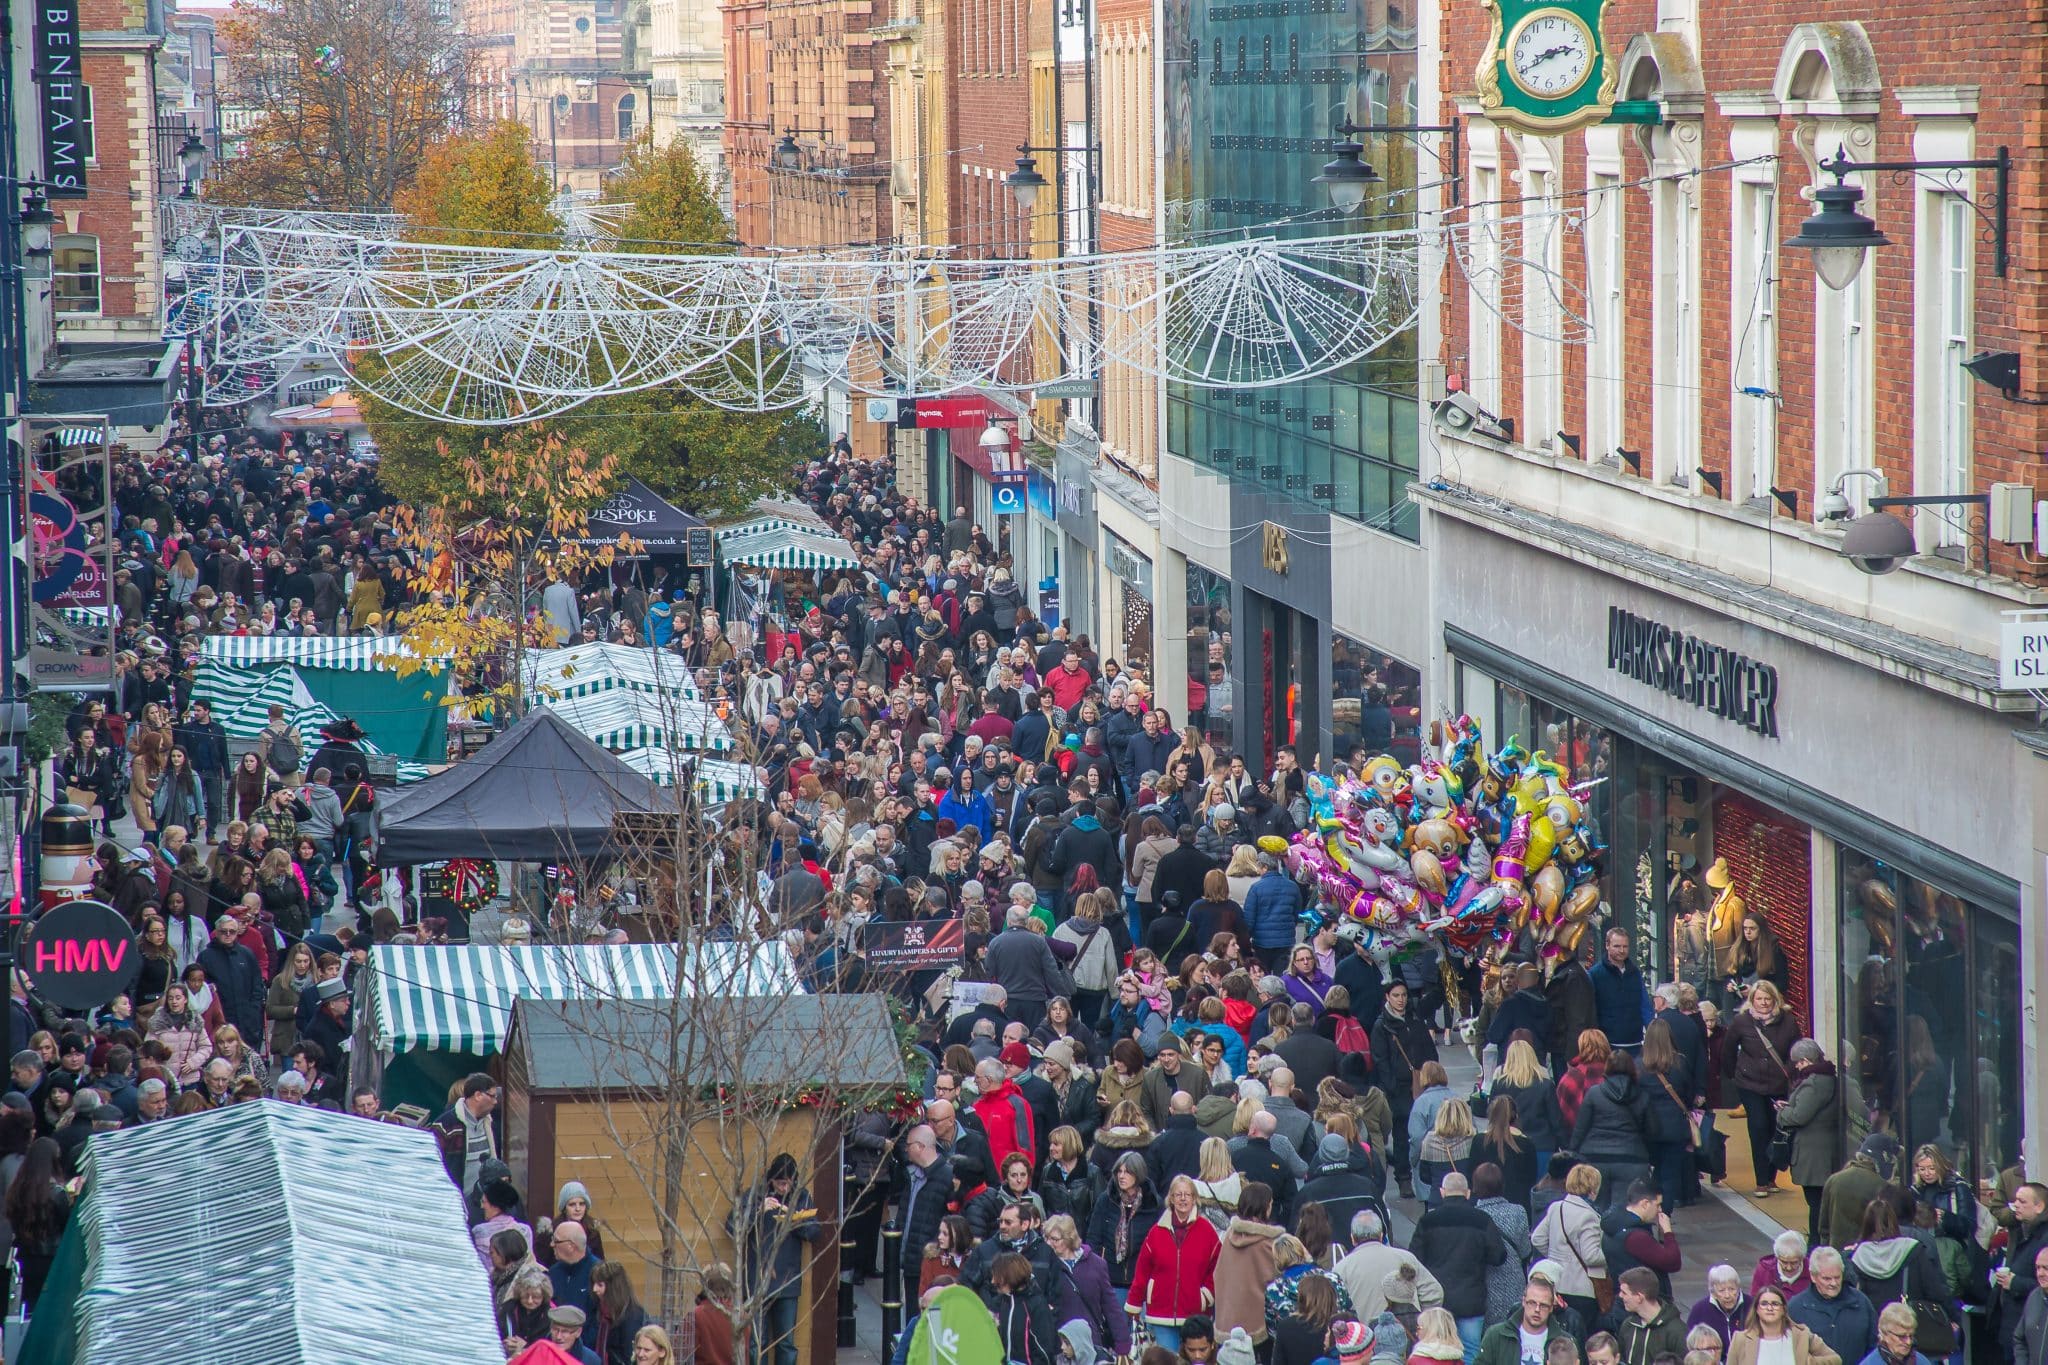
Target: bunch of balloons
x=1464, y=847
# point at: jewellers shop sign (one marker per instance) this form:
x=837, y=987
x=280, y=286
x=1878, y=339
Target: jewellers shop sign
x=60, y=87
x=1716, y=679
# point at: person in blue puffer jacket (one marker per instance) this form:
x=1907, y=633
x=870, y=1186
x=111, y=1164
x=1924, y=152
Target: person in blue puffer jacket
x=1271, y=908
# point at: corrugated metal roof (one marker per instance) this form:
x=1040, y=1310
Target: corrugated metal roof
x=792, y=1040
x=283, y=1262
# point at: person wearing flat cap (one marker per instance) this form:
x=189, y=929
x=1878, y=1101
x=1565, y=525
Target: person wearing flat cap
x=565, y=1329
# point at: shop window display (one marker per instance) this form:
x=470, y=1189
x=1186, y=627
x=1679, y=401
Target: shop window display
x=1376, y=702
x=1212, y=699
x=1929, y=1011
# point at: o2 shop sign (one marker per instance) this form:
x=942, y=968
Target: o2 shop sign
x=80, y=955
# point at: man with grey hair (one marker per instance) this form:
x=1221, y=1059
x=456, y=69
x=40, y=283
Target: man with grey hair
x=1839, y=1315
x=984, y=1043
x=152, y=1101
x=1460, y=1243
x=291, y=1088
x=1371, y=1260
x=1272, y=908
x=1021, y=962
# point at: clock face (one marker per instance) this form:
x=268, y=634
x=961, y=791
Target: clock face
x=1550, y=54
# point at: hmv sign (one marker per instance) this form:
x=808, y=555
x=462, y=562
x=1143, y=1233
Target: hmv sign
x=80, y=955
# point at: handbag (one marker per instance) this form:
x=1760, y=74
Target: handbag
x=1691, y=1123
x=1603, y=1286
x=1934, y=1336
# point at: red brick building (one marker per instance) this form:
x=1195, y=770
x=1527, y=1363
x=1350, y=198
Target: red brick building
x=1639, y=540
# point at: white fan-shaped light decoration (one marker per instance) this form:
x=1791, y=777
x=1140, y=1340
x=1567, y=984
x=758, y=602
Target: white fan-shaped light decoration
x=484, y=335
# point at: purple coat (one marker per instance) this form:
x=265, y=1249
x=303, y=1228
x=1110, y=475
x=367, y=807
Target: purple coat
x=1085, y=1293
x=1309, y=990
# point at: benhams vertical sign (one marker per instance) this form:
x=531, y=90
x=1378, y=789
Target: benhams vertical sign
x=59, y=78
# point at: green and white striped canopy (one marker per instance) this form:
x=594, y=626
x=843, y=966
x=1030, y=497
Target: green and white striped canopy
x=241, y=700
x=718, y=780
x=588, y=669
x=458, y=997
x=788, y=547
x=621, y=718
x=358, y=653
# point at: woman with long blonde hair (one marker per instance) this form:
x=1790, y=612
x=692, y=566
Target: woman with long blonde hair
x=1523, y=1079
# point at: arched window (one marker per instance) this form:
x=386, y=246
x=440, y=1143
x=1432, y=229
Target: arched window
x=75, y=274
x=626, y=117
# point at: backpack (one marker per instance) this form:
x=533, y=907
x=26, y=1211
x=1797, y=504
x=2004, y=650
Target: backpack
x=282, y=756
x=1352, y=1037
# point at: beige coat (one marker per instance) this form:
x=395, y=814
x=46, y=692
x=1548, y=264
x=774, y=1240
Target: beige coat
x=1807, y=1349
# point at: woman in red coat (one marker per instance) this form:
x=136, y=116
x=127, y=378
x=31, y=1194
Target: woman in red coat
x=1175, y=1277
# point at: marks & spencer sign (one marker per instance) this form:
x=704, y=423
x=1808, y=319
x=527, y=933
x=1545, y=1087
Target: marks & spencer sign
x=1718, y=680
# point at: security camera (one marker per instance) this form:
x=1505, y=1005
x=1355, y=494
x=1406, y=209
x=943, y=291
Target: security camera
x=1459, y=412
x=1834, y=507
x=1877, y=543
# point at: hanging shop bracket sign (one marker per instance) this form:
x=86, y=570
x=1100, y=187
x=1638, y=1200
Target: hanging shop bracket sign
x=1716, y=679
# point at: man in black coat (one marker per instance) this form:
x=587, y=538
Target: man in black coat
x=1572, y=1011
x=1256, y=1160
x=1357, y=973
x=2029, y=1239
x=1177, y=1150
x=236, y=976
x=1344, y=1181
x=1182, y=870
x=1310, y=1056
x=961, y=1030
x=924, y=1182
x=1458, y=1243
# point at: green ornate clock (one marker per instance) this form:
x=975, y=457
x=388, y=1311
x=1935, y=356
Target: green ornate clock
x=1546, y=69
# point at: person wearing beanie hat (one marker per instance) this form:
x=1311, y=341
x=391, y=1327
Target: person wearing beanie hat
x=1237, y=1349
x=1386, y=1340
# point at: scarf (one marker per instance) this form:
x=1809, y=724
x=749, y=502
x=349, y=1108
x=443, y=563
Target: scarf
x=1126, y=1210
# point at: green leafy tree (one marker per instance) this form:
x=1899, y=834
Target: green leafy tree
x=475, y=189
x=703, y=458
x=673, y=202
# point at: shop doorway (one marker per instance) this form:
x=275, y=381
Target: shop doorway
x=1283, y=645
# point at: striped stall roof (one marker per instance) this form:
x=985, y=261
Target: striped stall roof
x=587, y=669
x=357, y=653
x=241, y=700
x=458, y=997
x=788, y=548
x=620, y=718
x=718, y=780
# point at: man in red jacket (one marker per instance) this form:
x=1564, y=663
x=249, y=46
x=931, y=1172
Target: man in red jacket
x=1005, y=1115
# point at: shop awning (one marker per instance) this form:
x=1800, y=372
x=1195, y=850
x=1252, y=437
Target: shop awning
x=718, y=780
x=787, y=547
x=458, y=997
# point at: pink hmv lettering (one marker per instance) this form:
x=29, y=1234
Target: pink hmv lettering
x=93, y=955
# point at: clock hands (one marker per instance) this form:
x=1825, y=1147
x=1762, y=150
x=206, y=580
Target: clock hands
x=1549, y=53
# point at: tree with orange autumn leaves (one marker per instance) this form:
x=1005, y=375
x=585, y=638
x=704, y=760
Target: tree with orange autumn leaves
x=349, y=99
x=514, y=519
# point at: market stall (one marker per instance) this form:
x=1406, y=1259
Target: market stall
x=432, y=1014
x=539, y=792
x=164, y=1259
x=588, y=1087
x=355, y=676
